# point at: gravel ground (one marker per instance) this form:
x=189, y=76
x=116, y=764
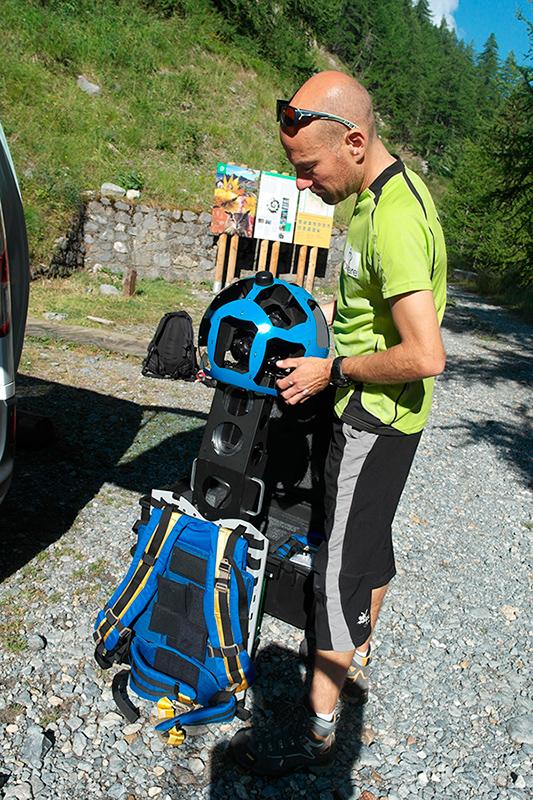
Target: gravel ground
x=449, y=714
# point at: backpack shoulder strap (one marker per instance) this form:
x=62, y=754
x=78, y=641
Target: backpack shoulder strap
x=115, y=614
x=229, y=650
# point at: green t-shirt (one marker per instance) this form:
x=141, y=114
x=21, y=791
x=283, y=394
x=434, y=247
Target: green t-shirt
x=394, y=245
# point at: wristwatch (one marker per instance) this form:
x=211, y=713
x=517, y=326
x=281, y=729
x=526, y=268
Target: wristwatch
x=337, y=377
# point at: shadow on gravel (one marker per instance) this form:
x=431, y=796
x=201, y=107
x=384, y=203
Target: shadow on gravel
x=277, y=690
x=493, y=365
x=467, y=311
x=93, y=432
x=511, y=439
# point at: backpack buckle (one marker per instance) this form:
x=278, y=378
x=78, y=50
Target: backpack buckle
x=111, y=617
x=229, y=650
x=224, y=572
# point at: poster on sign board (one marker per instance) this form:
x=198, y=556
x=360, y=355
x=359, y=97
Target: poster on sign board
x=235, y=200
x=276, y=207
x=314, y=221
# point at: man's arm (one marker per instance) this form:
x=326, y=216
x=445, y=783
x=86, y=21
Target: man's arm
x=329, y=310
x=420, y=354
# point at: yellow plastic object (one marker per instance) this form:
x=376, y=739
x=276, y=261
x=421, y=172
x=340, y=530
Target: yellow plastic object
x=175, y=737
x=165, y=709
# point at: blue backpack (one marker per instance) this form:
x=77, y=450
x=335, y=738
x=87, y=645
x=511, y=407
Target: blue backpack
x=180, y=619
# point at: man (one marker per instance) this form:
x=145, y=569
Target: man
x=386, y=318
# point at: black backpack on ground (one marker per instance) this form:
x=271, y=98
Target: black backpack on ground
x=171, y=352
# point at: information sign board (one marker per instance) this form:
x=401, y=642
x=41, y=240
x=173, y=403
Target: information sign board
x=314, y=221
x=235, y=200
x=276, y=207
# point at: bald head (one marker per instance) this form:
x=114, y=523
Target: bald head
x=332, y=160
x=337, y=93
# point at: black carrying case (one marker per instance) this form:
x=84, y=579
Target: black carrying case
x=289, y=594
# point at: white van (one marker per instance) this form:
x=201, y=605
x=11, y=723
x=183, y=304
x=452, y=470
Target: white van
x=14, y=290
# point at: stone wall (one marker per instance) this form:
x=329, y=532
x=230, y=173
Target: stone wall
x=116, y=233
x=157, y=242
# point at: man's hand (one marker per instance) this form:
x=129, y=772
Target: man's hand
x=309, y=376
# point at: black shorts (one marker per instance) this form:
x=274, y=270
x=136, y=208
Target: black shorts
x=365, y=475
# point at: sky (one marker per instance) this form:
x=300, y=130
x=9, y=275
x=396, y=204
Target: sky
x=475, y=20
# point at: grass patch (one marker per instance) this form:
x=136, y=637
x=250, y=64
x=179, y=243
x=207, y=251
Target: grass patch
x=10, y=713
x=175, y=98
x=11, y=621
x=79, y=297
x=94, y=570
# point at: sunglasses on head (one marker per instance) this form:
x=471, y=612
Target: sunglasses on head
x=289, y=116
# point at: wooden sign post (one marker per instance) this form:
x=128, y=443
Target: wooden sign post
x=219, y=264
x=263, y=255
x=311, y=269
x=232, y=259
x=302, y=258
x=274, y=258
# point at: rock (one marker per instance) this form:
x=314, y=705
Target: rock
x=52, y=315
x=21, y=791
x=111, y=189
x=196, y=766
x=368, y=735
x=366, y=795
x=520, y=782
x=37, y=784
x=37, y=642
x=119, y=247
x=111, y=719
x=367, y=757
x=184, y=776
x=115, y=765
x=78, y=744
x=55, y=701
x=36, y=746
x=133, y=727
x=510, y=613
x=189, y=216
x=87, y=86
x=520, y=729
x=153, y=791
x=423, y=779
x=106, y=288
x=205, y=218
x=133, y=194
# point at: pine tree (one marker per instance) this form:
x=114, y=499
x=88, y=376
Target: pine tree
x=510, y=75
x=423, y=11
x=488, y=71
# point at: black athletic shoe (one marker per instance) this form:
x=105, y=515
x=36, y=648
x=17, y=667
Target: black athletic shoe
x=308, y=746
x=355, y=689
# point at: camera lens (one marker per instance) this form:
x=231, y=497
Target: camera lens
x=240, y=348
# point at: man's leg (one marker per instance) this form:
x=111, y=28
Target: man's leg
x=365, y=474
x=378, y=595
x=331, y=667
x=329, y=672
